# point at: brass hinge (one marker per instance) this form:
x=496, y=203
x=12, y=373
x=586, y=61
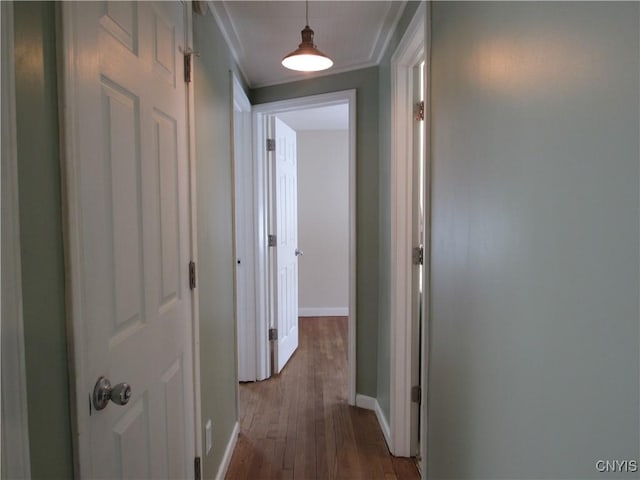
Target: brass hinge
x=271, y=145
x=273, y=334
x=188, y=63
x=192, y=275
x=197, y=469
x=418, y=255
x=420, y=111
x=273, y=240
x=416, y=394
x=187, y=67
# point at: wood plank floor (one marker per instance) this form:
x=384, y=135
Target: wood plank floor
x=297, y=425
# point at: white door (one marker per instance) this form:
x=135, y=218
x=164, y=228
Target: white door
x=286, y=254
x=129, y=235
x=245, y=238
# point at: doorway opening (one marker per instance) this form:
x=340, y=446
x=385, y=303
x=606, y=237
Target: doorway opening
x=319, y=205
x=304, y=166
x=323, y=209
x=273, y=292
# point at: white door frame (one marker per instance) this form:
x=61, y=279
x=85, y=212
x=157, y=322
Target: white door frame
x=408, y=53
x=66, y=29
x=245, y=328
x=260, y=115
x=193, y=217
x=15, y=428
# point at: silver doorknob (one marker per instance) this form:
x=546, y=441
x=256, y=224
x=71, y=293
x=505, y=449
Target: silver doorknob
x=299, y=252
x=103, y=392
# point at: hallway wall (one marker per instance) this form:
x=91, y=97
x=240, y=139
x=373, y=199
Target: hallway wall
x=535, y=254
x=323, y=222
x=216, y=265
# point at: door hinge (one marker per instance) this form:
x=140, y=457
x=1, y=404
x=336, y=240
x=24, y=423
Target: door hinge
x=420, y=111
x=187, y=67
x=197, y=469
x=271, y=145
x=416, y=394
x=418, y=255
x=192, y=275
x=273, y=240
x=273, y=334
x=188, y=63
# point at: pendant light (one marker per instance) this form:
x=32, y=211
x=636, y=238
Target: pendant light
x=307, y=58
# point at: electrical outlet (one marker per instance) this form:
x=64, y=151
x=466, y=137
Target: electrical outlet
x=207, y=437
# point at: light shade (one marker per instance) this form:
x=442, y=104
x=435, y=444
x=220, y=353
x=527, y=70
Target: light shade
x=307, y=58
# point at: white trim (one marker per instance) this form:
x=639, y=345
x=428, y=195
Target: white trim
x=370, y=403
x=408, y=53
x=242, y=140
x=324, y=312
x=14, y=421
x=228, y=453
x=262, y=253
x=71, y=231
x=426, y=299
x=228, y=30
x=365, y=401
x=241, y=102
x=193, y=224
x=380, y=48
x=260, y=114
x=324, y=73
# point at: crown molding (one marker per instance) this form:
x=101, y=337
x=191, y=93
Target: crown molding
x=230, y=34
x=379, y=48
x=390, y=24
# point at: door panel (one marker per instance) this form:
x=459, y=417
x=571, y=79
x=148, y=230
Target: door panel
x=286, y=203
x=131, y=248
x=130, y=433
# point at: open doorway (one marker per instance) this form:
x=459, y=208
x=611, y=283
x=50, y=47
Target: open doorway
x=301, y=419
x=256, y=293
x=263, y=339
x=310, y=217
x=323, y=209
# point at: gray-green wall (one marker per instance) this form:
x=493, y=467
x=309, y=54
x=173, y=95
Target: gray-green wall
x=365, y=82
x=41, y=241
x=384, y=259
x=535, y=254
x=218, y=368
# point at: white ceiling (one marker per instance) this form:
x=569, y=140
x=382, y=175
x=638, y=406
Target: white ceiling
x=335, y=117
x=353, y=33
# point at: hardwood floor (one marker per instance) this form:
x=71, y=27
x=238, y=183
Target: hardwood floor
x=298, y=425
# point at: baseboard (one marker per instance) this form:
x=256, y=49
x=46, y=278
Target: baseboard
x=370, y=403
x=324, y=312
x=228, y=453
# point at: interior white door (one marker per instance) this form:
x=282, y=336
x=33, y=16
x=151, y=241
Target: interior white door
x=245, y=238
x=130, y=235
x=286, y=254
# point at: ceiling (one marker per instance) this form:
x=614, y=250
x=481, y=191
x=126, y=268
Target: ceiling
x=334, y=117
x=353, y=33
